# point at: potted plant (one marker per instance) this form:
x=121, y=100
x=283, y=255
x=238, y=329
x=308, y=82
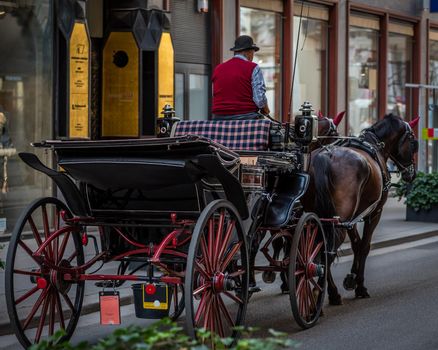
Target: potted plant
x=421, y=197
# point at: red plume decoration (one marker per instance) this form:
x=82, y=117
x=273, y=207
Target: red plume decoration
x=320, y=116
x=337, y=120
x=414, y=123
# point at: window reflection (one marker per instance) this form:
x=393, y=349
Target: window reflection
x=265, y=28
x=432, y=146
x=362, y=78
x=310, y=71
x=399, y=73
x=25, y=101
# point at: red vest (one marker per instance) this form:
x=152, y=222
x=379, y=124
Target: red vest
x=232, y=89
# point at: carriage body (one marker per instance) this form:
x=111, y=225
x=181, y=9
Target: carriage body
x=188, y=210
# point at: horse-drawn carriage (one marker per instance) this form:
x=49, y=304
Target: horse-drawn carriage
x=182, y=217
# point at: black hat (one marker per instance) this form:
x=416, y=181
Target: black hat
x=244, y=42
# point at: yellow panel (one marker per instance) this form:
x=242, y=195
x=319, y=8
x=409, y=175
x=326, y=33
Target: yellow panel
x=165, y=73
x=79, y=77
x=120, y=86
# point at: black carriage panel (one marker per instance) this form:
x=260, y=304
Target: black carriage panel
x=137, y=185
x=147, y=174
x=180, y=198
x=131, y=177
x=285, y=199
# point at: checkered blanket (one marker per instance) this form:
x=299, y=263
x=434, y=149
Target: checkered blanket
x=248, y=135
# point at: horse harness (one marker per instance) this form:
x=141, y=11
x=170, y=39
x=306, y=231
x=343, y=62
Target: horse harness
x=372, y=149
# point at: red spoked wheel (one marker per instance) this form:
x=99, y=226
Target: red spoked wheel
x=38, y=299
x=308, y=270
x=216, y=282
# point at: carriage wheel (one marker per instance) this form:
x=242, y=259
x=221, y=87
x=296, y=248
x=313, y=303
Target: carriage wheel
x=177, y=302
x=216, y=283
x=307, y=270
x=39, y=300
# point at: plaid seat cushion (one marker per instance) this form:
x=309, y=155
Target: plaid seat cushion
x=248, y=135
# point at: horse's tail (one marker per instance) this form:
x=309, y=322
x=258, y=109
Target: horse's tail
x=324, y=206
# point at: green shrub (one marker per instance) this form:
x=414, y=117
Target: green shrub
x=166, y=335
x=422, y=193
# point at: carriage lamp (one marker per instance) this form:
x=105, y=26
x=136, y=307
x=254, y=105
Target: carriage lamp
x=306, y=124
x=203, y=6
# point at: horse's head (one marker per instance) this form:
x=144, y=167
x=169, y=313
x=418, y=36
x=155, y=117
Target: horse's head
x=400, y=143
x=328, y=126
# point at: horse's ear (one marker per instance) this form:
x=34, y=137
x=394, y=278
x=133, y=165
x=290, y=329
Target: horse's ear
x=337, y=120
x=320, y=116
x=414, y=123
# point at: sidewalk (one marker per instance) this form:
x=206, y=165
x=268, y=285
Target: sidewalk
x=392, y=230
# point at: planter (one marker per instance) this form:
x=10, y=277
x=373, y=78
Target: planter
x=422, y=215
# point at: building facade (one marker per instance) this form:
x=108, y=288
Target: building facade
x=340, y=55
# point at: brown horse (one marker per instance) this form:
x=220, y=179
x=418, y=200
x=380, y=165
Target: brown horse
x=327, y=128
x=352, y=182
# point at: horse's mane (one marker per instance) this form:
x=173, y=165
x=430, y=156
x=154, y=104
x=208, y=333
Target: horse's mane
x=387, y=125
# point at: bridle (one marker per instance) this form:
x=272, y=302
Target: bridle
x=413, y=148
x=332, y=130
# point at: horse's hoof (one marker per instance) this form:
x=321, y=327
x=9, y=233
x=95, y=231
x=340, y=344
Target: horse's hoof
x=361, y=292
x=254, y=289
x=268, y=276
x=284, y=288
x=350, y=281
x=335, y=300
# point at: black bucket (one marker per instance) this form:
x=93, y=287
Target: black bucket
x=152, y=300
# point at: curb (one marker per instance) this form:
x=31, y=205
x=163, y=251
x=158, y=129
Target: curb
x=392, y=242
x=5, y=328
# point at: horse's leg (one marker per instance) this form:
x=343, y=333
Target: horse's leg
x=369, y=227
x=277, y=245
x=333, y=293
x=287, y=243
x=350, y=280
x=337, y=237
x=254, y=248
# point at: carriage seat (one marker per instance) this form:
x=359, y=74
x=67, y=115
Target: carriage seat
x=239, y=135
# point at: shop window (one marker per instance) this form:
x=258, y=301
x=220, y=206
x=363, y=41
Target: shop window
x=399, y=69
x=192, y=91
x=362, y=73
x=310, y=82
x=25, y=103
x=265, y=27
